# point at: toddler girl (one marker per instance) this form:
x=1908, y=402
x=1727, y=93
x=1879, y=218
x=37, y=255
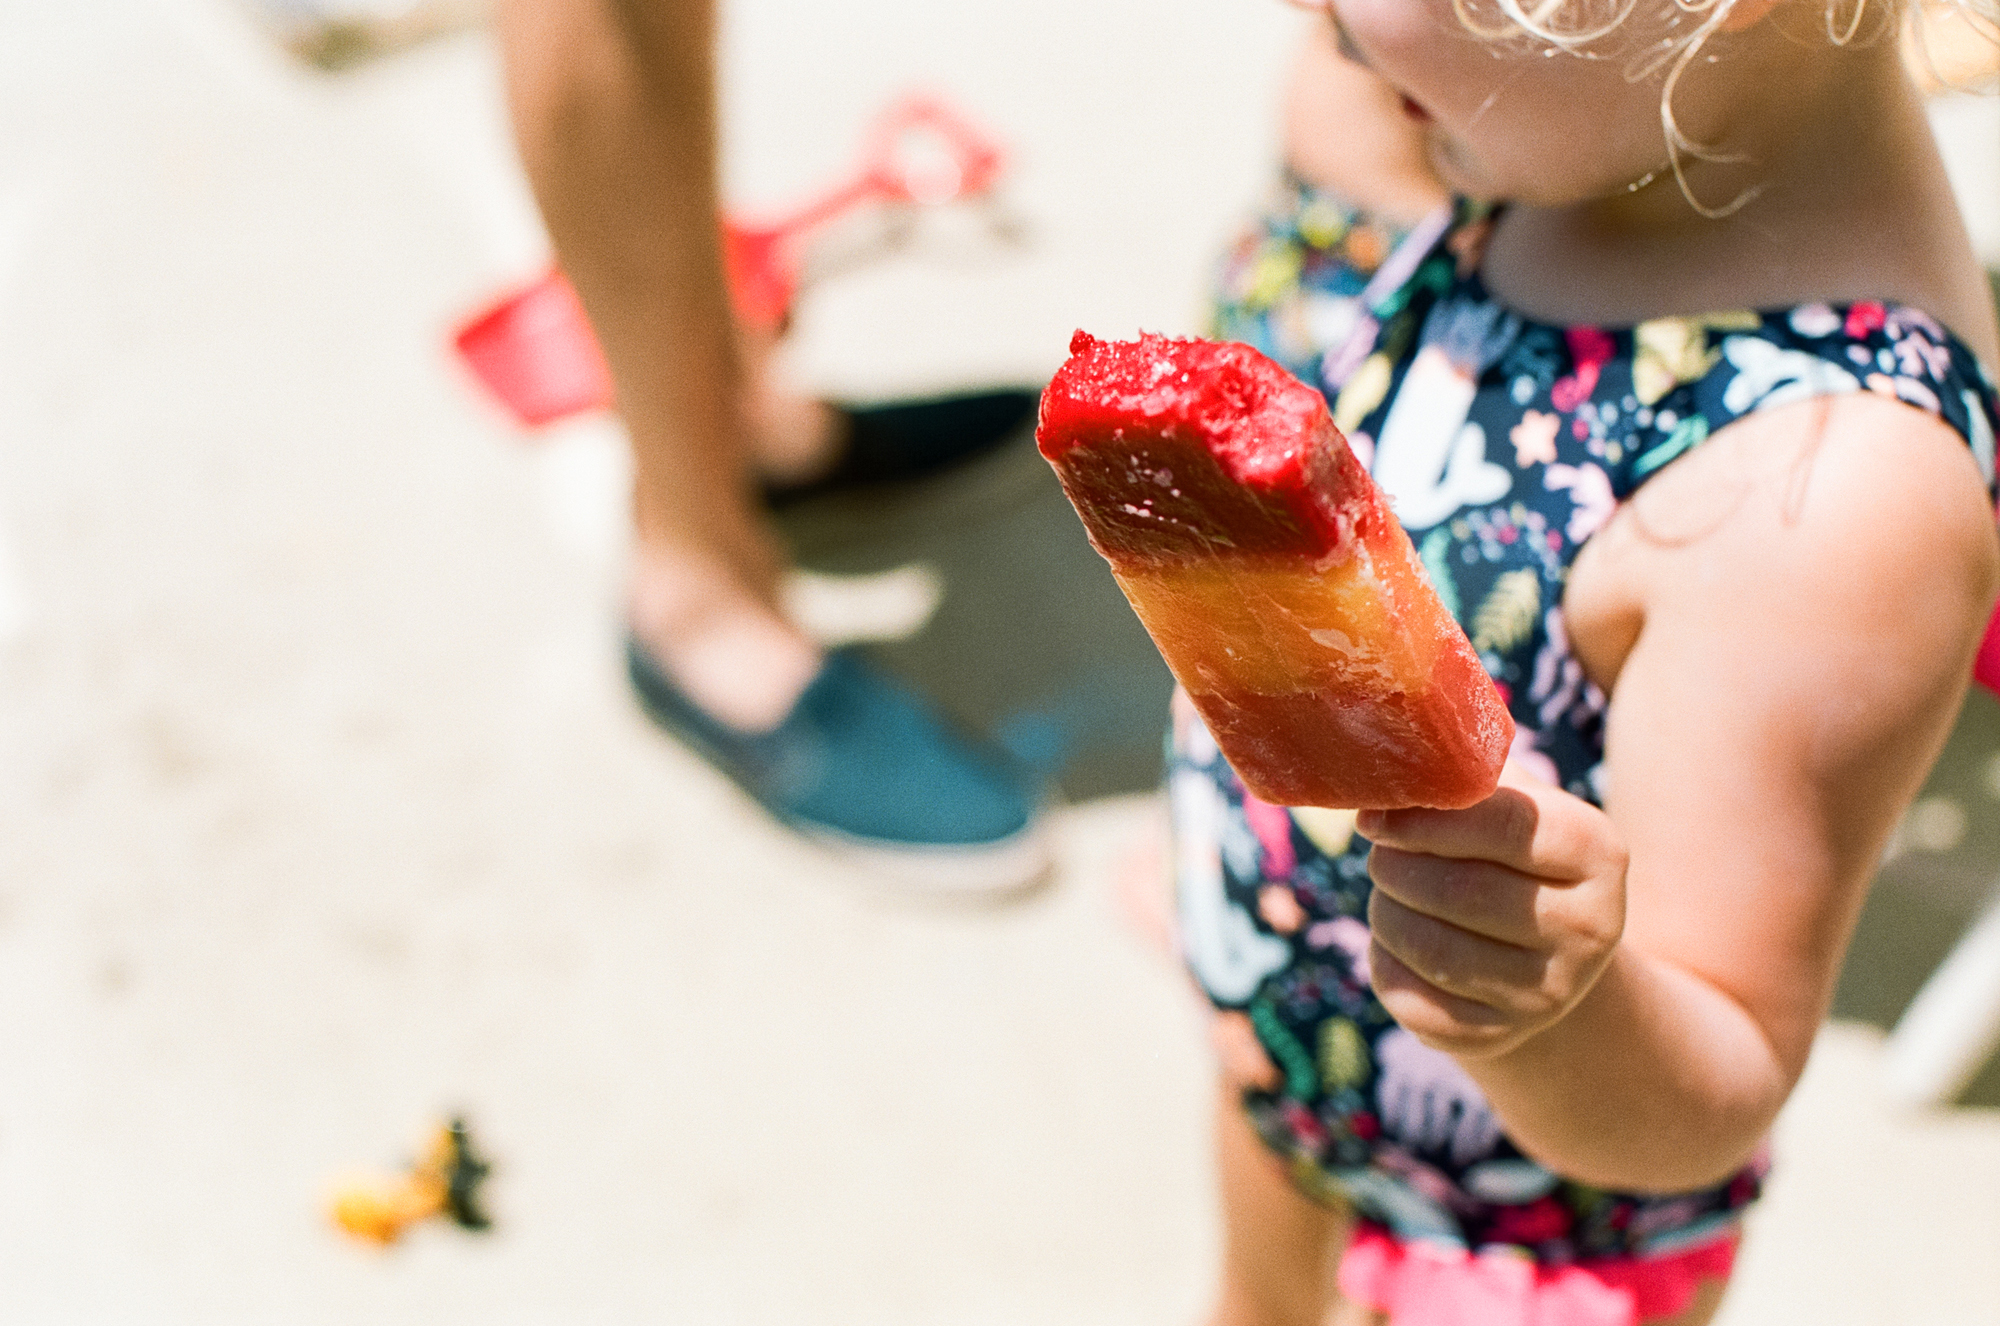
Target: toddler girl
x=1679, y=394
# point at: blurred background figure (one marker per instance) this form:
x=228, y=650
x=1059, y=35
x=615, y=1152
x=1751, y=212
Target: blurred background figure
x=614, y=107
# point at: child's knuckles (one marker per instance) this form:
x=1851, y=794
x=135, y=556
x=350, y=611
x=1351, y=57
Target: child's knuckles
x=1594, y=921
x=1587, y=918
x=1571, y=840
x=1602, y=932
x=1610, y=860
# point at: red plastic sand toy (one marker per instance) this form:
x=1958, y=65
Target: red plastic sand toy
x=535, y=351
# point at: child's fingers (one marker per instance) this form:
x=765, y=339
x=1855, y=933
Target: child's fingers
x=1481, y=896
x=1525, y=825
x=1437, y=1017
x=1490, y=922
x=1504, y=978
x=1502, y=828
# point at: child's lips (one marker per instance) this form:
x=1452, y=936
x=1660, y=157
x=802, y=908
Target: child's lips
x=1414, y=111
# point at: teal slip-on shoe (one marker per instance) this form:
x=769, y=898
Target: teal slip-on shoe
x=904, y=440
x=863, y=764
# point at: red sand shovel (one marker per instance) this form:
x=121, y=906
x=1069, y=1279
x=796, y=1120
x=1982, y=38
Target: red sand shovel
x=534, y=349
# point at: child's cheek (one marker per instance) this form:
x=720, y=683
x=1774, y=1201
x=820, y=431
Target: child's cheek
x=1402, y=40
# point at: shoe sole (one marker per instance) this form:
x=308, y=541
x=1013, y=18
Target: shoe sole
x=1012, y=867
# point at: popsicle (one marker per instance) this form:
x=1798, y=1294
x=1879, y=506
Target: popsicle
x=1270, y=572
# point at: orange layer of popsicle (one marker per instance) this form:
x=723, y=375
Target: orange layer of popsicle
x=1271, y=574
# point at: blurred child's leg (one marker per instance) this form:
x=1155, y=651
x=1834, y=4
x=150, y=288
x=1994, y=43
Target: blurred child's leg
x=1280, y=1250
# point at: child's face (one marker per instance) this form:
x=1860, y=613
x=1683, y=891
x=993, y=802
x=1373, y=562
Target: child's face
x=1516, y=119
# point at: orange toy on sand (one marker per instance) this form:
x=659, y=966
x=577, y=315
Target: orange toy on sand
x=380, y=1209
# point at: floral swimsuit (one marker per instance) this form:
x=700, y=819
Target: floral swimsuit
x=1504, y=444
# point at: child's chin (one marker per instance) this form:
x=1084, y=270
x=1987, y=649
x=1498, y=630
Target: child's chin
x=1459, y=174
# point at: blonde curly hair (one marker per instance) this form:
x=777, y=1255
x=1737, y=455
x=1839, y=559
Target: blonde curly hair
x=1587, y=27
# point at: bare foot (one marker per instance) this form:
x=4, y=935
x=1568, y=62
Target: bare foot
x=729, y=651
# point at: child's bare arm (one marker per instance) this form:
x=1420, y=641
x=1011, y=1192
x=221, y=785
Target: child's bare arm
x=1637, y=991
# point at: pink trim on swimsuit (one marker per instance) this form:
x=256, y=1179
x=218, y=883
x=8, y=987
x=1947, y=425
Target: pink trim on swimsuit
x=1423, y=1284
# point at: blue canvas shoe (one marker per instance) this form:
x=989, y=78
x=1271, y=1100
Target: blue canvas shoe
x=863, y=764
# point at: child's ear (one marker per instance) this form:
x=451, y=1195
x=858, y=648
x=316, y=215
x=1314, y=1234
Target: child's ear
x=1746, y=14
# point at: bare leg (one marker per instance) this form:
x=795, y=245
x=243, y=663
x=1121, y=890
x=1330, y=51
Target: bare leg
x=1280, y=1249
x=613, y=108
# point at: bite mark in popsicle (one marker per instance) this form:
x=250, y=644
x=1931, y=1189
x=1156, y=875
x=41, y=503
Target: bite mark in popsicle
x=1267, y=566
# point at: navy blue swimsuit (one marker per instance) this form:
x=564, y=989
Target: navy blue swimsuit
x=1504, y=443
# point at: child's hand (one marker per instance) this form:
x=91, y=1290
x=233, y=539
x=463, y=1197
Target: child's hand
x=1491, y=923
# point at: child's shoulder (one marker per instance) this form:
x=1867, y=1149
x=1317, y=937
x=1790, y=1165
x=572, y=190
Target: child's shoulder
x=1846, y=539
x=1819, y=472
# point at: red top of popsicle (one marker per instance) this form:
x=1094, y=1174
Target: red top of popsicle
x=1174, y=440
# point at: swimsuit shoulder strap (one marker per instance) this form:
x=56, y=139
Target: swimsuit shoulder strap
x=1694, y=375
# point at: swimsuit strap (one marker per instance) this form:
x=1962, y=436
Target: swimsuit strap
x=1709, y=371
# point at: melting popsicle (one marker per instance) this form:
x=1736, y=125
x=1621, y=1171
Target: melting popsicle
x=1271, y=574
